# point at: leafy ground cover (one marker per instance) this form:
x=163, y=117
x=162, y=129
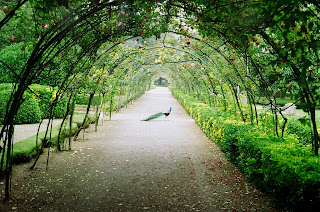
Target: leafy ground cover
x=284, y=167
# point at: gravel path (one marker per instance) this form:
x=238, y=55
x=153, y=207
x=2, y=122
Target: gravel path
x=131, y=165
x=25, y=131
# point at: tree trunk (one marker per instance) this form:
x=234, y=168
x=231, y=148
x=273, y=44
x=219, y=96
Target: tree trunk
x=49, y=144
x=315, y=131
x=284, y=124
x=110, y=106
x=255, y=110
x=82, y=126
x=251, y=109
x=8, y=162
x=97, y=116
x=224, y=99
x=3, y=150
x=8, y=128
x=71, y=117
x=302, y=99
x=274, y=110
x=101, y=107
x=45, y=140
x=63, y=120
x=237, y=101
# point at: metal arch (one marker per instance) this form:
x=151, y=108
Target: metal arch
x=175, y=49
x=196, y=71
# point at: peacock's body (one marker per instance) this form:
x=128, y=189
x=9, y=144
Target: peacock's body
x=157, y=115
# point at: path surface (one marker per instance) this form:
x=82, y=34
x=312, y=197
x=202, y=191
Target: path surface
x=25, y=131
x=131, y=165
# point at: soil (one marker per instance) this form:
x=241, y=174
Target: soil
x=132, y=165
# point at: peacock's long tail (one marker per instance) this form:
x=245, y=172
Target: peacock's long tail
x=154, y=116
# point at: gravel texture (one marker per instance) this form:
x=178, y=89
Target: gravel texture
x=132, y=165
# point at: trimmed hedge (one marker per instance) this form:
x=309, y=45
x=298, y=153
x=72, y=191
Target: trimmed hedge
x=44, y=95
x=303, y=132
x=28, y=113
x=284, y=167
x=83, y=99
x=25, y=150
x=34, y=106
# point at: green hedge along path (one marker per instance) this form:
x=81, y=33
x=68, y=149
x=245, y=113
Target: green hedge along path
x=131, y=165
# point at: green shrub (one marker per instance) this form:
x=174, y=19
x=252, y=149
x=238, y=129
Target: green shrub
x=60, y=108
x=14, y=58
x=40, y=97
x=294, y=173
x=83, y=99
x=4, y=97
x=44, y=95
x=6, y=86
x=28, y=113
x=303, y=132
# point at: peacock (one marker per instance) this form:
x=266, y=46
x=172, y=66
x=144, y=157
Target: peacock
x=157, y=115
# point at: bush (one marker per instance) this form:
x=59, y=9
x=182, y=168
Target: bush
x=4, y=97
x=28, y=113
x=303, y=132
x=292, y=175
x=83, y=99
x=14, y=58
x=6, y=86
x=39, y=99
x=44, y=95
x=283, y=167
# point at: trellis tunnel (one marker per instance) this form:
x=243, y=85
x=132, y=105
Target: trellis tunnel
x=134, y=47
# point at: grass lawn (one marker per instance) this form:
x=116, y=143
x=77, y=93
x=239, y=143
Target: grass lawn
x=285, y=100
x=281, y=101
x=299, y=112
